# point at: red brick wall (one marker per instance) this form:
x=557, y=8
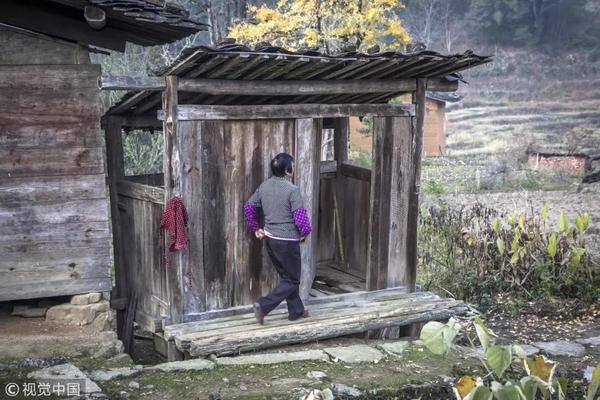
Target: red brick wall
x=572, y=165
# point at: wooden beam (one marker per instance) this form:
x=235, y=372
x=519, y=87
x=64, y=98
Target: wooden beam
x=131, y=83
x=198, y=112
x=116, y=172
x=275, y=87
x=341, y=139
x=327, y=167
x=142, y=121
x=440, y=85
x=136, y=121
x=355, y=172
x=287, y=88
x=141, y=192
x=169, y=105
x=308, y=156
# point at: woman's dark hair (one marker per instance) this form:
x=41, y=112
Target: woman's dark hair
x=281, y=164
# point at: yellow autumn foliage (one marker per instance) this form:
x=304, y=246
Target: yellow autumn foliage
x=325, y=24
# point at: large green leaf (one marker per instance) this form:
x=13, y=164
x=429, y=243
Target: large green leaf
x=518, y=351
x=480, y=393
x=594, y=384
x=577, y=254
x=563, y=222
x=483, y=334
x=552, y=245
x=496, y=226
x=508, y=392
x=522, y=221
x=499, y=358
x=544, y=212
x=529, y=386
x=501, y=246
x=561, y=388
x=438, y=337
x=582, y=221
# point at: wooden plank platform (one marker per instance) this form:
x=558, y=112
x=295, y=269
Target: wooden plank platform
x=343, y=315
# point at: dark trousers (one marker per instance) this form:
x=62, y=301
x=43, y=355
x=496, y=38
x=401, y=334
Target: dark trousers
x=285, y=256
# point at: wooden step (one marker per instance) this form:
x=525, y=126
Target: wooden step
x=233, y=334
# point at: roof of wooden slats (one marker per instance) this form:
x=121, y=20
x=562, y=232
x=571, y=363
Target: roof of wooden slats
x=237, y=62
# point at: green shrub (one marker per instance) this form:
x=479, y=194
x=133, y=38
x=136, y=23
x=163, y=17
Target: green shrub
x=143, y=152
x=360, y=157
x=474, y=254
x=433, y=186
x=540, y=381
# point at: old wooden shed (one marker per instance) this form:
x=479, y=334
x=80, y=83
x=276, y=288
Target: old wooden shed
x=224, y=113
x=54, y=220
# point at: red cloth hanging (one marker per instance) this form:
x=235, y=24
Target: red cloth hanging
x=175, y=220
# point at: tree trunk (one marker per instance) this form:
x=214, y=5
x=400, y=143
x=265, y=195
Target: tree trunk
x=222, y=15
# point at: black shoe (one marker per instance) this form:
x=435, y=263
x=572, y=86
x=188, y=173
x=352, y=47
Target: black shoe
x=259, y=314
x=303, y=315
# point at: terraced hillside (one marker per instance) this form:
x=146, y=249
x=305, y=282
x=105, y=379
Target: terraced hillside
x=524, y=99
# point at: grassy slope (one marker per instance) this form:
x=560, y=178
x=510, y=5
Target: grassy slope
x=520, y=99
x=525, y=98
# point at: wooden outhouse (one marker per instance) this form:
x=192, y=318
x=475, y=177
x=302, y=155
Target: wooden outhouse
x=224, y=113
x=54, y=219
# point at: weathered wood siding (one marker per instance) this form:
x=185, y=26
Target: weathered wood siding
x=20, y=47
x=217, y=166
x=143, y=256
x=326, y=239
x=54, y=236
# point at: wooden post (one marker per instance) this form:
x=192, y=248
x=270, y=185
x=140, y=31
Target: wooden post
x=116, y=171
x=172, y=188
x=397, y=147
x=414, y=181
x=341, y=132
x=308, y=161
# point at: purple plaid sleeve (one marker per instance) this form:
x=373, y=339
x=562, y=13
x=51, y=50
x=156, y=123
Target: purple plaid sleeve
x=251, y=217
x=302, y=221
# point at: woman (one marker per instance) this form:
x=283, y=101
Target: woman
x=286, y=225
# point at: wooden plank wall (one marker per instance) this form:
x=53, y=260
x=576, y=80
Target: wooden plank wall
x=395, y=180
x=21, y=47
x=250, y=146
x=217, y=167
x=143, y=257
x=54, y=237
x=354, y=220
x=326, y=240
